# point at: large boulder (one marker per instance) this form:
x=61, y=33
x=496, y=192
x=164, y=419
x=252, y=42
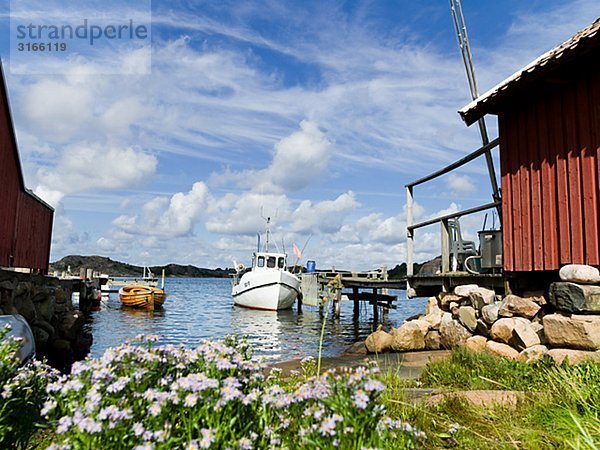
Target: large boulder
x=410, y=336
x=379, y=342
x=476, y=343
x=574, y=298
x=445, y=299
x=481, y=296
x=533, y=353
x=468, y=317
x=489, y=313
x=576, y=332
x=432, y=306
x=502, y=350
x=513, y=305
x=465, y=290
x=434, y=319
x=524, y=334
x=452, y=333
x=559, y=355
x=580, y=273
x=433, y=340
x=502, y=330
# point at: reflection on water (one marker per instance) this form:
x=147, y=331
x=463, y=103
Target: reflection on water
x=203, y=308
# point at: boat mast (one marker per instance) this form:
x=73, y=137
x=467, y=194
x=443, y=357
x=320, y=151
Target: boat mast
x=465, y=50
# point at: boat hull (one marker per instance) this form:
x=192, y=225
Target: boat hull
x=267, y=290
x=142, y=297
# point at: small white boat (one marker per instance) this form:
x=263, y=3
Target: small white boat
x=268, y=285
x=114, y=284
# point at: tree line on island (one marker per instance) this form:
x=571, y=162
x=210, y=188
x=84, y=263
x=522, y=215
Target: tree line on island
x=106, y=265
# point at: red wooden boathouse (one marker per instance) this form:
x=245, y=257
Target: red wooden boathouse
x=25, y=219
x=549, y=131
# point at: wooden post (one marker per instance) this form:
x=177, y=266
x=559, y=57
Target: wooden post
x=375, y=309
x=355, y=294
x=338, y=302
x=445, y=239
x=409, y=237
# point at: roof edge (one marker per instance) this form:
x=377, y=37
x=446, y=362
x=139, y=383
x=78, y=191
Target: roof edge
x=476, y=109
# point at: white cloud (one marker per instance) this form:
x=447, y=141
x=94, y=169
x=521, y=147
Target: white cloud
x=84, y=167
x=323, y=217
x=168, y=218
x=460, y=184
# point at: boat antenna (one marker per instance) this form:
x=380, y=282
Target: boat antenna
x=268, y=232
x=465, y=50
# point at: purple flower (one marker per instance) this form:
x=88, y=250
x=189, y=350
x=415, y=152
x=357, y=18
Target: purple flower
x=208, y=437
x=361, y=399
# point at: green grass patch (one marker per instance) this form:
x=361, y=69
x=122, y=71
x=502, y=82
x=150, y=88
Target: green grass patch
x=560, y=407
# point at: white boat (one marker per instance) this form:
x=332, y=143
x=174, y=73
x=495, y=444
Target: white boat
x=268, y=285
x=114, y=284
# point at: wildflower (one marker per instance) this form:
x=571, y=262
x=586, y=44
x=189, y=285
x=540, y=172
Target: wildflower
x=138, y=429
x=6, y=391
x=208, y=437
x=374, y=386
x=49, y=405
x=155, y=409
x=64, y=423
x=454, y=427
x=146, y=446
x=327, y=426
x=360, y=399
x=89, y=425
x=192, y=445
x=191, y=400
x=245, y=444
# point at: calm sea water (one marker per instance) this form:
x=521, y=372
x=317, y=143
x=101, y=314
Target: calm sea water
x=203, y=308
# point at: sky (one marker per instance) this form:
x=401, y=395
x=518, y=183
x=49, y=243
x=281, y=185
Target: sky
x=315, y=113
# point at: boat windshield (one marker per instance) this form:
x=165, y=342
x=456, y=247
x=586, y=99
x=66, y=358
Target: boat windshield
x=270, y=261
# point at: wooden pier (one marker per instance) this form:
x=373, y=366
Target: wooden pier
x=371, y=287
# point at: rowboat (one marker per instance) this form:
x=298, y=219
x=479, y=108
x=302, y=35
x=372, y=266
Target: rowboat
x=145, y=297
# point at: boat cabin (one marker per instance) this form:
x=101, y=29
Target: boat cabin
x=267, y=260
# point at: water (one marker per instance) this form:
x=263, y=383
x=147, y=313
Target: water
x=202, y=308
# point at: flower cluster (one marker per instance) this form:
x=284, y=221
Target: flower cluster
x=214, y=396
x=22, y=393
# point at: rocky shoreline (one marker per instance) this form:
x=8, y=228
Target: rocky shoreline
x=57, y=325
x=563, y=322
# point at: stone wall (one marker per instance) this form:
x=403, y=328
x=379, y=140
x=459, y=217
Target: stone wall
x=45, y=302
x=563, y=322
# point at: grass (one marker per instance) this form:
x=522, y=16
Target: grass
x=560, y=408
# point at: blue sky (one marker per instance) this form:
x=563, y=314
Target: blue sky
x=318, y=112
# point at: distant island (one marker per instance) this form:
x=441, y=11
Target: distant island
x=119, y=269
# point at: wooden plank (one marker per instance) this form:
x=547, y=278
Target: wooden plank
x=589, y=178
x=548, y=183
x=445, y=241
x=574, y=175
x=506, y=174
x=595, y=136
x=535, y=186
x=516, y=192
x=557, y=148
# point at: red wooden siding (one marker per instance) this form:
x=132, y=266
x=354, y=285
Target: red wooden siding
x=25, y=222
x=34, y=227
x=10, y=182
x=550, y=166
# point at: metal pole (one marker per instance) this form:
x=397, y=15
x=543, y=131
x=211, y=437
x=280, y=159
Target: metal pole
x=463, y=43
x=409, y=236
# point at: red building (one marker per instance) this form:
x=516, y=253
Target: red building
x=549, y=127
x=25, y=219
